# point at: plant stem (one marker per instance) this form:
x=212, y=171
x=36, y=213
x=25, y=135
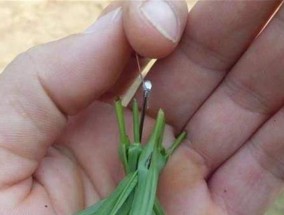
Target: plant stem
x=124, y=140
x=176, y=144
x=136, y=123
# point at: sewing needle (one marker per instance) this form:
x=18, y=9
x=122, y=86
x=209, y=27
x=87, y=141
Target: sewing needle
x=147, y=86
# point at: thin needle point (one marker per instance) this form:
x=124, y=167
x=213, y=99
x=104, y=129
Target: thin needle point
x=147, y=87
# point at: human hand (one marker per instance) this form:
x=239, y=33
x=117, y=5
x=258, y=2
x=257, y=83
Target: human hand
x=45, y=93
x=58, y=140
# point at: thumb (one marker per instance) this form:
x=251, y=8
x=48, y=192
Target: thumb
x=154, y=28
x=44, y=85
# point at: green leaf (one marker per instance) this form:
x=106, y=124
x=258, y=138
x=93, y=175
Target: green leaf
x=176, y=144
x=136, y=193
x=92, y=209
x=158, y=210
x=122, y=150
x=124, y=140
x=125, y=194
x=148, y=172
x=134, y=152
x=118, y=197
x=125, y=208
x=136, y=123
x=145, y=192
x=149, y=148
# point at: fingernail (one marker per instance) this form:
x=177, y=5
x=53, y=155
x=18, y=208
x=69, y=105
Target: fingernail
x=162, y=16
x=109, y=18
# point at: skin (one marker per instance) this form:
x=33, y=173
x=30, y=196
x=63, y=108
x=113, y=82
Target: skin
x=58, y=136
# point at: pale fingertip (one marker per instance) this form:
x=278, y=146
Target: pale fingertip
x=154, y=28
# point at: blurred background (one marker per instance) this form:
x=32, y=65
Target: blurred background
x=28, y=23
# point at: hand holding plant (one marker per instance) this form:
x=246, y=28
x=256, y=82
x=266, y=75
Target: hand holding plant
x=223, y=83
x=136, y=193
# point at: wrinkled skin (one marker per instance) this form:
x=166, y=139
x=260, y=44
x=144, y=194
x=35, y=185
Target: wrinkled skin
x=59, y=137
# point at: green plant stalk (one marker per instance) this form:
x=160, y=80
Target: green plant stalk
x=136, y=193
x=148, y=173
x=134, y=149
x=158, y=210
x=148, y=149
x=125, y=193
x=134, y=152
x=125, y=208
x=176, y=144
x=136, y=122
x=146, y=188
x=124, y=140
x=115, y=200
x=92, y=209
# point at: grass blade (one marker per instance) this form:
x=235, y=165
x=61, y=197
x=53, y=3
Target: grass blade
x=124, y=140
x=176, y=144
x=158, y=210
x=92, y=209
x=148, y=173
x=111, y=202
x=125, y=194
x=134, y=152
x=136, y=123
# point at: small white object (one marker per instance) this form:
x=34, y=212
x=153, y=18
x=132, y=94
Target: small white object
x=126, y=98
x=147, y=86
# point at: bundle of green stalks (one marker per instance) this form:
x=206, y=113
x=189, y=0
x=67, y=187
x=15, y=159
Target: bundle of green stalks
x=136, y=193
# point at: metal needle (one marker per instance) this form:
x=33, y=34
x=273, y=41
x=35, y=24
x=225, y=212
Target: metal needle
x=147, y=86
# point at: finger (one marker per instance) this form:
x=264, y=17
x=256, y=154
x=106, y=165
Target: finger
x=251, y=92
x=126, y=78
x=47, y=83
x=182, y=187
x=157, y=25
x=250, y=181
x=216, y=35
x=110, y=7
x=147, y=36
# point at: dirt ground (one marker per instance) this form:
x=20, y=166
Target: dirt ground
x=27, y=23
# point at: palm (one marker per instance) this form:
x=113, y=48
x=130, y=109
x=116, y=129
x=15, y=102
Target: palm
x=89, y=145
